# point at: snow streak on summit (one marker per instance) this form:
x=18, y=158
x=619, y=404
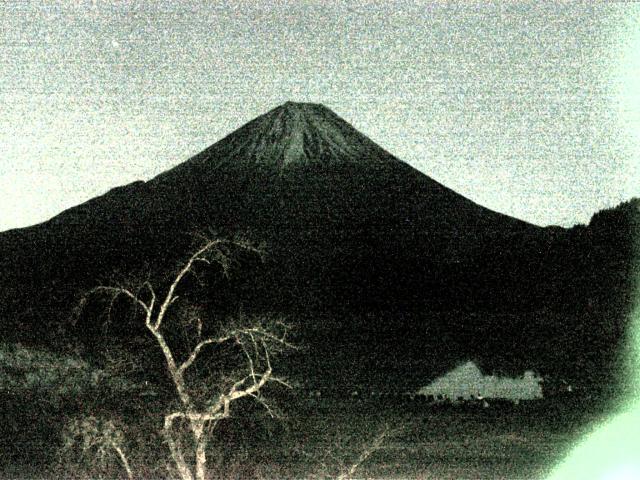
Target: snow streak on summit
x=295, y=134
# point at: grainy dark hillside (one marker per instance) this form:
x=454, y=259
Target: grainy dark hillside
x=350, y=231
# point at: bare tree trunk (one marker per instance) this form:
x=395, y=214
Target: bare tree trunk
x=176, y=452
x=201, y=458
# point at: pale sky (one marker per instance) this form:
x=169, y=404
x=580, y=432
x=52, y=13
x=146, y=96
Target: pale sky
x=531, y=110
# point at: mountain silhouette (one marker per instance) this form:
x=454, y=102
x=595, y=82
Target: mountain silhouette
x=351, y=233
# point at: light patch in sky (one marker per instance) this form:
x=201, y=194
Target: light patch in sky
x=627, y=80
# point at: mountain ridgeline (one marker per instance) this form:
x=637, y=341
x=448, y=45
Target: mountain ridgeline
x=350, y=231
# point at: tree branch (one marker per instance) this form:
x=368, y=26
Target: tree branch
x=376, y=445
x=116, y=291
x=198, y=257
x=172, y=288
x=196, y=351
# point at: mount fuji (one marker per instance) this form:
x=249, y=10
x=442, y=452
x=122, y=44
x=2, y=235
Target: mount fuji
x=349, y=230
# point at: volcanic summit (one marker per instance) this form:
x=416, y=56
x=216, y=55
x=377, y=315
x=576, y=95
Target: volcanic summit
x=294, y=134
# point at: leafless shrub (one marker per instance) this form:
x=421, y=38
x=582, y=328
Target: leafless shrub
x=99, y=441
x=333, y=464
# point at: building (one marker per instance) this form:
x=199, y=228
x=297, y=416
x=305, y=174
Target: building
x=468, y=382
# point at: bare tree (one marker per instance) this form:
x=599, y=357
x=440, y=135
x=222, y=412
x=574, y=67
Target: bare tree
x=201, y=407
x=332, y=464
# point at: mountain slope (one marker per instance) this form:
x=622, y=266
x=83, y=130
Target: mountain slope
x=349, y=229
x=296, y=176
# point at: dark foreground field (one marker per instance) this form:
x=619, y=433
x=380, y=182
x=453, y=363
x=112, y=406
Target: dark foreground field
x=322, y=438
x=449, y=442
